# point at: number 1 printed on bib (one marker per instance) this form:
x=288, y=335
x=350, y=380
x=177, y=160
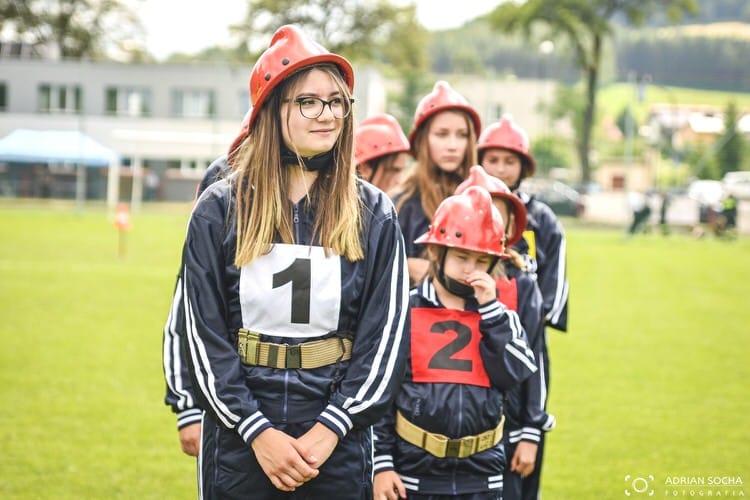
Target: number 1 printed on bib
x=293, y=291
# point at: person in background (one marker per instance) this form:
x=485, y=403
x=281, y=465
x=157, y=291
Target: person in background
x=295, y=292
x=180, y=396
x=729, y=212
x=443, y=436
x=381, y=151
x=666, y=200
x=443, y=140
x=640, y=210
x=504, y=153
x=525, y=413
x=151, y=183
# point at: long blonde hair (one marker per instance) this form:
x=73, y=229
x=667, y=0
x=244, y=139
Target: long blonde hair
x=261, y=184
x=433, y=183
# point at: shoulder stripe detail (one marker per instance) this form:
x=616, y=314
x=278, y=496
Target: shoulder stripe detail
x=521, y=357
x=251, y=424
x=561, y=291
x=203, y=374
x=390, y=339
x=492, y=310
x=383, y=462
x=171, y=356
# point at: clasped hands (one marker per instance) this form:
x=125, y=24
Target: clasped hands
x=290, y=462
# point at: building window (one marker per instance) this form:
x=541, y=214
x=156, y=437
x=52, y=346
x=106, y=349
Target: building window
x=3, y=96
x=54, y=98
x=193, y=103
x=127, y=101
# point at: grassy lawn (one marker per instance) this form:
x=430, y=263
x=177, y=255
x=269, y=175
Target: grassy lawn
x=651, y=379
x=614, y=97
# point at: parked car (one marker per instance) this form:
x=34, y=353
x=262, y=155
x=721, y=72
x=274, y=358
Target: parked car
x=708, y=194
x=561, y=198
x=706, y=191
x=738, y=184
x=587, y=187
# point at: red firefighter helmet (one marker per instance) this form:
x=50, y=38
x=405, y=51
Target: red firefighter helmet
x=442, y=98
x=507, y=134
x=289, y=51
x=468, y=221
x=378, y=135
x=498, y=189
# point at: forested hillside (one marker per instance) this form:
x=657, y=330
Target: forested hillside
x=706, y=51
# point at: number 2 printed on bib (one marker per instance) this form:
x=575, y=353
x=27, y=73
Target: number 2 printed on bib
x=445, y=347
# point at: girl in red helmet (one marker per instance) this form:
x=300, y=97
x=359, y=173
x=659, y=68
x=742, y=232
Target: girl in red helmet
x=525, y=412
x=295, y=293
x=443, y=139
x=504, y=152
x=381, y=151
x=442, y=438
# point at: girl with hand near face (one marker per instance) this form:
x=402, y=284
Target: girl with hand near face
x=526, y=418
x=443, y=436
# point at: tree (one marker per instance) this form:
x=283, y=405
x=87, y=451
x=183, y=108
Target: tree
x=361, y=30
x=585, y=25
x=352, y=28
x=702, y=161
x=730, y=146
x=76, y=28
x=568, y=104
x=550, y=152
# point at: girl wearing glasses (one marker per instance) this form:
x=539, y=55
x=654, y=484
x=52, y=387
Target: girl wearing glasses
x=295, y=292
x=443, y=142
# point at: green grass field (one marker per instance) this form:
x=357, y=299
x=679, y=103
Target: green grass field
x=613, y=98
x=651, y=380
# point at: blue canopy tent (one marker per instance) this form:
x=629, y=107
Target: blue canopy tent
x=70, y=147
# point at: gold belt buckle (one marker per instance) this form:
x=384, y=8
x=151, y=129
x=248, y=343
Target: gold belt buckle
x=452, y=448
x=460, y=448
x=293, y=356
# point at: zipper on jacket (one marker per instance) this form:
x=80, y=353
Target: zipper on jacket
x=286, y=395
x=455, y=474
x=295, y=220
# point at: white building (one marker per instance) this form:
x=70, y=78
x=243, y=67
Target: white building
x=170, y=120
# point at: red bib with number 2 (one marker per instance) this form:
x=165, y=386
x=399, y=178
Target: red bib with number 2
x=445, y=347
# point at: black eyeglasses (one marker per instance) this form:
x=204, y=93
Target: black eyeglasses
x=312, y=107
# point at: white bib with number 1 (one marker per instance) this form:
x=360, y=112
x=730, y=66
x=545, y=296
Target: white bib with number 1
x=293, y=291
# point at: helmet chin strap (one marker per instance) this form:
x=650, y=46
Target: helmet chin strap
x=323, y=161
x=454, y=286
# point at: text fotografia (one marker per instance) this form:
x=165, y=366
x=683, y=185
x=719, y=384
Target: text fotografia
x=704, y=486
